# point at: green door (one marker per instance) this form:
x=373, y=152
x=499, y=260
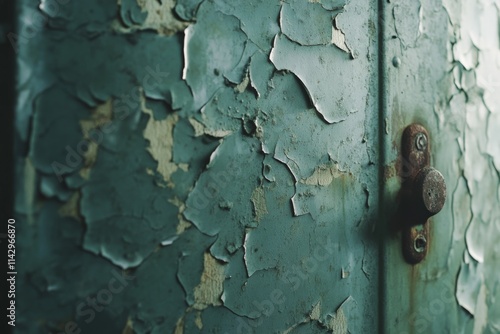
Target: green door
x=220, y=167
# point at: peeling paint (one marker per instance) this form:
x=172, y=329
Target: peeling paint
x=242, y=86
x=334, y=104
x=200, y=129
x=183, y=224
x=338, y=37
x=323, y=175
x=338, y=323
x=179, y=326
x=212, y=108
x=100, y=116
x=198, y=321
x=296, y=19
x=148, y=15
x=129, y=327
x=159, y=133
x=25, y=203
x=220, y=181
x=259, y=203
x=222, y=47
x=210, y=289
x=468, y=285
x=72, y=207
x=312, y=192
x=475, y=49
x=316, y=312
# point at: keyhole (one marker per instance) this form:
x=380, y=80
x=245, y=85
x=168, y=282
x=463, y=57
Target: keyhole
x=420, y=243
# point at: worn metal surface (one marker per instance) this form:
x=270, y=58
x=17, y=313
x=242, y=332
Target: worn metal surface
x=430, y=194
x=197, y=166
x=441, y=63
x=422, y=193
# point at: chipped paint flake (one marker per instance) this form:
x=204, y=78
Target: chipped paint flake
x=481, y=311
x=316, y=312
x=198, y=321
x=320, y=76
x=169, y=241
x=179, y=326
x=159, y=133
x=468, y=284
x=72, y=207
x=209, y=291
x=242, y=86
x=183, y=224
x=29, y=189
x=100, y=116
x=218, y=133
x=260, y=72
x=156, y=15
x=323, y=175
x=129, y=327
x=313, y=193
x=338, y=323
x=245, y=259
x=296, y=19
x=223, y=49
x=200, y=129
x=338, y=37
x=259, y=203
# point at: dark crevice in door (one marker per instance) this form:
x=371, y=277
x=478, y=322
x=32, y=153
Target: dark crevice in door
x=382, y=226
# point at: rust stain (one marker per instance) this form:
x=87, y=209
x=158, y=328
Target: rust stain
x=413, y=279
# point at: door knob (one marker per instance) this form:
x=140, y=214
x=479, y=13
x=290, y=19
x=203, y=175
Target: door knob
x=423, y=192
x=429, y=192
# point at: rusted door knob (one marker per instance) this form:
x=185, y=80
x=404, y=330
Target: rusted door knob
x=430, y=192
x=423, y=192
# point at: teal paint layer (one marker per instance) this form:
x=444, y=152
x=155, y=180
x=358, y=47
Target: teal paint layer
x=211, y=170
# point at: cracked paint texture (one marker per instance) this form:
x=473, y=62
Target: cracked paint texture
x=477, y=286
x=219, y=155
